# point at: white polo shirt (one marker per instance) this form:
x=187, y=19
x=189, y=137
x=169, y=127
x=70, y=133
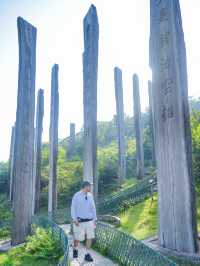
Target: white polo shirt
x=83, y=206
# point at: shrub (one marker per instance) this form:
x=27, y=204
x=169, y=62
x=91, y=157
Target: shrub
x=42, y=244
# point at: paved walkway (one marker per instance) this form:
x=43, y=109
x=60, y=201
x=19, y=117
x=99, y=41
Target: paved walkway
x=99, y=260
x=5, y=245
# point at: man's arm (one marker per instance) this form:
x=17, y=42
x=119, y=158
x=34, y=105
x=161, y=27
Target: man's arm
x=93, y=208
x=73, y=209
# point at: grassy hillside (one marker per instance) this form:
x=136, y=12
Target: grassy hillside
x=141, y=220
x=70, y=171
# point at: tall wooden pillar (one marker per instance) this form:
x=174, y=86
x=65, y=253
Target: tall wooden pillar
x=151, y=122
x=53, y=137
x=138, y=128
x=38, y=151
x=120, y=125
x=24, y=132
x=70, y=150
x=90, y=70
x=177, y=209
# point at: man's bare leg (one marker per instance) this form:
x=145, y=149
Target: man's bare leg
x=88, y=243
x=76, y=244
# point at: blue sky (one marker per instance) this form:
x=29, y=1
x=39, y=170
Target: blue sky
x=124, y=40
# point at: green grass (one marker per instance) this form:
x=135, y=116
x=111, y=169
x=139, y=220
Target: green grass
x=141, y=220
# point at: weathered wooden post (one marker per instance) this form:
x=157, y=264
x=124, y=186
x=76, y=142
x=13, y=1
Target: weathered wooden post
x=120, y=125
x=177, y=210
x=11, y=162
x=38, y=151
x=138, y=128
x=53, y=136
x=151, y=122
x=90, y=70
x=70, y=150
x=24, y=132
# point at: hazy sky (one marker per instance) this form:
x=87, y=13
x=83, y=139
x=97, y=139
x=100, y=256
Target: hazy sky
x=123, y=42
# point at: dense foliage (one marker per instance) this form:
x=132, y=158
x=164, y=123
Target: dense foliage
x=140, y=220
x=5, y=216
x=4, y=178
x=108, y=152
x=43, y=245
x=70, y=171
x=41, y=248
x=195, y=126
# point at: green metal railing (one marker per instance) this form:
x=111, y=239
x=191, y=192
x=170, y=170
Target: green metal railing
x=126, y=250
x=135, y=194
x=112, y=242
x=62, y=216
x=57, y=231
x=113, y=204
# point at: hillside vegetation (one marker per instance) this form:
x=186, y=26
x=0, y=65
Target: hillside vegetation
x=70, y=172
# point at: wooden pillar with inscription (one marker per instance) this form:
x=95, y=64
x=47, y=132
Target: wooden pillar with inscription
x=90, y=72
x=177, y=209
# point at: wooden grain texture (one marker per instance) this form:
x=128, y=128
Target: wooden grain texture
x=120, y=125
x=177, y=209
x=53, y=137
x=24, y=132
x=38, y=151
x=151, y=121
x=90, y=72
x=138, y=128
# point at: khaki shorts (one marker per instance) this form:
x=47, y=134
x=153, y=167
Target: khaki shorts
x=86, y=228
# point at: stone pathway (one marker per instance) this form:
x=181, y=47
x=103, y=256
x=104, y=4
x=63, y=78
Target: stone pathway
x=99, y=260
x=5, y=245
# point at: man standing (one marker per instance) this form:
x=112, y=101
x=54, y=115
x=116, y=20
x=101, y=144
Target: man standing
x=83, y=213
